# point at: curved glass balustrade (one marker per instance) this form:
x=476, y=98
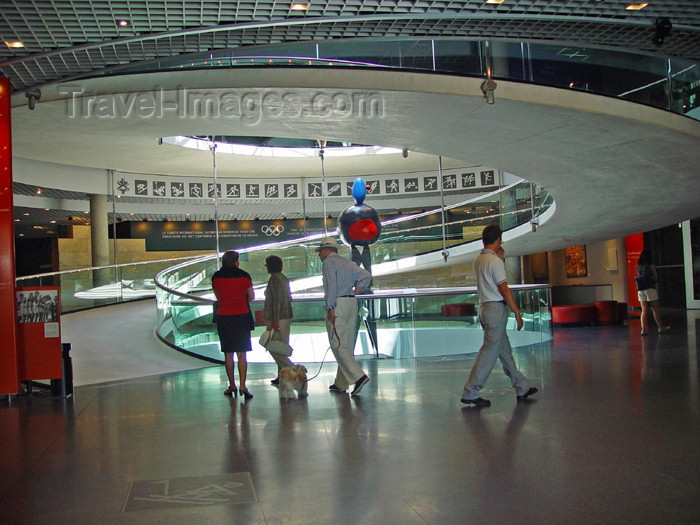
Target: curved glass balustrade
x=671, y=84
x=185, y=299
x=407, y=324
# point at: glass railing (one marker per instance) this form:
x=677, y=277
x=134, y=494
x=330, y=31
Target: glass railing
x=669, y=83
x=404, y=324
x=184, y=296
x=89, y=287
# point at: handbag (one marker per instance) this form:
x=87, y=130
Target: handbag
x=644, y=282
x=214, y=308
x=274, y=346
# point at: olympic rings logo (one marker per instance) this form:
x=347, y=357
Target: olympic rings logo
x=272, y=230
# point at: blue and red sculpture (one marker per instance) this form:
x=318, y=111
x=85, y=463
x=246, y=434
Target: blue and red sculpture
x=358, y=225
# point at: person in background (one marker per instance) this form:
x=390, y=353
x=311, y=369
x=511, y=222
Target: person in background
x=278, y=309
x=495, y=298
x=233, y=289
x=342, y=279
x=647, y=293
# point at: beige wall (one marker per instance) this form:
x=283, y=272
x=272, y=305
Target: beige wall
x=597, y=256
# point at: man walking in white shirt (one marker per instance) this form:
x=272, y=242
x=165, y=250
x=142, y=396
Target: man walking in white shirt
x=342, y=279
x=495, y=298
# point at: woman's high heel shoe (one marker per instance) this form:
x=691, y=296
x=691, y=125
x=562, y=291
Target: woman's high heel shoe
x=245, y=393
x=231, y=391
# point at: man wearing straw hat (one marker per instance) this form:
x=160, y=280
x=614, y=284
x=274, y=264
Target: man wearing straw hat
x=342, y=279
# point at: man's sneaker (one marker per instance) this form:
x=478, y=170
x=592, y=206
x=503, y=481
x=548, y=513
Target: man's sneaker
x=334, y=388
x=530, y=391
x=478, y=402
x=359, y=385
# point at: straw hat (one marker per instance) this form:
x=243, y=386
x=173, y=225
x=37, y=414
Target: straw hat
x=328, y=242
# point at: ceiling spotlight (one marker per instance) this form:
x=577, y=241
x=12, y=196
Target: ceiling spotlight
x=123, y=23
x=663, y=29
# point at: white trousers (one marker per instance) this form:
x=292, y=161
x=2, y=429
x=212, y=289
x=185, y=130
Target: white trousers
x=494, y=319
x=343, y=345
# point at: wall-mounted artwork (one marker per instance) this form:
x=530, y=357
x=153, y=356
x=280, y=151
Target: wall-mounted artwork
x=576, y=261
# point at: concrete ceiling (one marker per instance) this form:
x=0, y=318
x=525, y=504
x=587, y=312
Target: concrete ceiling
x=613, y=167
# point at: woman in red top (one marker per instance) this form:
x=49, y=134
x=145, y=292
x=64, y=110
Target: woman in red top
x=233, y=288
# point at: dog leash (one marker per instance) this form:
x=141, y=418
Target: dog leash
x=334, y=332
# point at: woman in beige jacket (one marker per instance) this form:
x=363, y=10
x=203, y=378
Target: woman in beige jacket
x=278, y=309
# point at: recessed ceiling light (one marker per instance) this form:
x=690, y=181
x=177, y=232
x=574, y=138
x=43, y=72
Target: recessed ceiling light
x=15, y=44
x=494, y=1
x=300, y=6
x=123, y=23
x=636, y=7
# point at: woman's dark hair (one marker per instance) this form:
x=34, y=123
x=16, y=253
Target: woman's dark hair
x=229, y=259
x=645, y=257
x=273, y=263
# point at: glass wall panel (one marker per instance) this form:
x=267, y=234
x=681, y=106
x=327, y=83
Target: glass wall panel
x=407, y=324
x=648, y=79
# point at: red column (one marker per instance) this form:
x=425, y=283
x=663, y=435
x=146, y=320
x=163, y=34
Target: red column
x=9, y=381
x=634, y=244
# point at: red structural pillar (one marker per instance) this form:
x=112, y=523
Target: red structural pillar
x=9, y=376
x=634, y=244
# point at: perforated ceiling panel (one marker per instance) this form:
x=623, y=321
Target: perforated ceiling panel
x=63, y=39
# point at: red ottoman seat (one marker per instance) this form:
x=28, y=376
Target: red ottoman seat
x=458, y=310
x=606, y=312
x=573, y=314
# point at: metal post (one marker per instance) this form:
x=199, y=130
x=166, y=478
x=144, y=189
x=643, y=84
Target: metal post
x=117, y=270
x=303, y=205
x=445, y=253
x=322, y=144
x=212, y=147
x=669, y=79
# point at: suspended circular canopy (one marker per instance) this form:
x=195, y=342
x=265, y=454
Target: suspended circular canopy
x=274, y=142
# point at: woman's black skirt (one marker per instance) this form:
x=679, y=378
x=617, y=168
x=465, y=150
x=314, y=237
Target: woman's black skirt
x=234, y=332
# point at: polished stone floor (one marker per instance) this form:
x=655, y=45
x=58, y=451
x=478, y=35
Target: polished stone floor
x=612, y=437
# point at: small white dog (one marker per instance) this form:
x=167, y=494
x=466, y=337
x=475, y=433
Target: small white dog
x=292, y=379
